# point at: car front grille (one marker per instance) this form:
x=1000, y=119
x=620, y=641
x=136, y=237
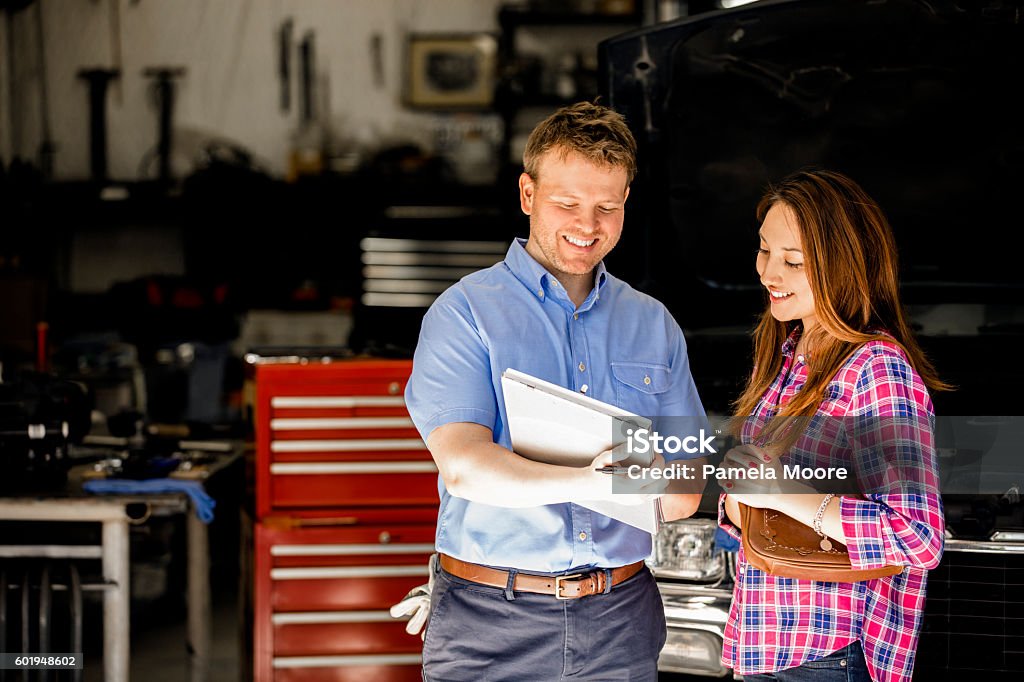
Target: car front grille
x=974, y=617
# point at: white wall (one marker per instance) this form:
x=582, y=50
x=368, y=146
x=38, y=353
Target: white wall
x=231, y=89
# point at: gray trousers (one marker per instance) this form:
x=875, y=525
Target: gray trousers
x=477, y=633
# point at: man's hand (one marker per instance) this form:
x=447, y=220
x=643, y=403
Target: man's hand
x=621, y=487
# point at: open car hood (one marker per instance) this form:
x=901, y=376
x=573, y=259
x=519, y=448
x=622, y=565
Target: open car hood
x=913, y=99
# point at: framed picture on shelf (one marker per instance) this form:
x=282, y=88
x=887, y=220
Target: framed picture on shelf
x=451, y=71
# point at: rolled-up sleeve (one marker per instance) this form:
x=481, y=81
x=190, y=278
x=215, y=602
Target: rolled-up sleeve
x=893, y=530
x=899, y=521
x=451, y=375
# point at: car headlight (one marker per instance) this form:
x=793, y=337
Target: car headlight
x=692, y=651
x=686, y=549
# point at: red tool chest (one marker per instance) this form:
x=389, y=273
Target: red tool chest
x=346, y=506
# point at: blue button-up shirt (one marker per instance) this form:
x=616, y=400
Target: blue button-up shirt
x=623, y=345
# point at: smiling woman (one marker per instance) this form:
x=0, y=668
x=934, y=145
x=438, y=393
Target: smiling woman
x=833, y=342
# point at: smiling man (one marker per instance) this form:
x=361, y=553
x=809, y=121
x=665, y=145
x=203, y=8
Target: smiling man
x=530, y=585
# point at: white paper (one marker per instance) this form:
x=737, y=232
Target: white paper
x=553, y=425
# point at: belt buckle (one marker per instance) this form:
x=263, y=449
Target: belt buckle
x=558, y=585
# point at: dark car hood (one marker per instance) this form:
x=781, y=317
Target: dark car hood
x=914, y=100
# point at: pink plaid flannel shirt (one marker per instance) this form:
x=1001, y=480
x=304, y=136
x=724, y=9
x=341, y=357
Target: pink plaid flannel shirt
x=778, y=623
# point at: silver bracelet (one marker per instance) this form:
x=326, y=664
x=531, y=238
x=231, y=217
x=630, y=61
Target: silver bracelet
x=825, y=543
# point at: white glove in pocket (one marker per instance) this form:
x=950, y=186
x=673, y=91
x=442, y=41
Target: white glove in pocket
x=416, y=604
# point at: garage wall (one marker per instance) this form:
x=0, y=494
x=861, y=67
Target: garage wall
x=231, y=89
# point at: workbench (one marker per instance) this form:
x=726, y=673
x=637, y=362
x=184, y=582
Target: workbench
x=116, y=513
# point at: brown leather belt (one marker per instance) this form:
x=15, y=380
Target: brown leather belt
x=560, y=586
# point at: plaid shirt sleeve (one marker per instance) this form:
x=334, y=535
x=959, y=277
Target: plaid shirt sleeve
x=723, y=520
x=900, y=521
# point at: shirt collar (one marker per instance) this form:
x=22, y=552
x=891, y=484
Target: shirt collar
x=789, y=345
x=535, y=276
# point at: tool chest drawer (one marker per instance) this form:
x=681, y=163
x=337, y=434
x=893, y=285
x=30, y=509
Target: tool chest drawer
x=299, y=486
x=323, y=594
x=346, y=508
x=338, y=435
x=397, y=668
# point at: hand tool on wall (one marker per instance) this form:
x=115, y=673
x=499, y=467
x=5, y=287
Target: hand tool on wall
x=46, y=146
x=97, y=80
x=307, y=81
x=307, y=152
x=164, y=90
x=114, y=30
x=377, y=59
x=284, y=63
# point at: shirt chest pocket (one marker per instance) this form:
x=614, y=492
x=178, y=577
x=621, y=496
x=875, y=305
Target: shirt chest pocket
x=640, y=386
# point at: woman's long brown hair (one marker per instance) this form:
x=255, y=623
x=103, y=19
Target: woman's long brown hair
x=853, y=273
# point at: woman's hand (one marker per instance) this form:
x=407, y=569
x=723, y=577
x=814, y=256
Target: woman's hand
x=764, y=484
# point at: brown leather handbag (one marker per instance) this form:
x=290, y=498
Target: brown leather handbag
x=782, y=546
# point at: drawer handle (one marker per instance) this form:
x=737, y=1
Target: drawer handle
x=325, y=572
x=322, y=617
x=337, y=401
x=318, y=423
x=300, y=468
x=356, y=444
x=288, y=522
x=350, y=550
x=344, y=661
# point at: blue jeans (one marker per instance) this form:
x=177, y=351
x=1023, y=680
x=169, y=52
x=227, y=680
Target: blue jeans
x=845, y=665
x=476, y=633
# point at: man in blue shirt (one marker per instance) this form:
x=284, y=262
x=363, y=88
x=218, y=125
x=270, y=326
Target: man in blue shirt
x=507, y=525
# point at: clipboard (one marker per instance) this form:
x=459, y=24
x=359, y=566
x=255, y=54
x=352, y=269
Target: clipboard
x=554, y=425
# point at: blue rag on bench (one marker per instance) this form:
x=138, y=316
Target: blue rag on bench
x=201, y=502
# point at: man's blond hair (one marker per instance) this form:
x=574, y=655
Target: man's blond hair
x=593, y=131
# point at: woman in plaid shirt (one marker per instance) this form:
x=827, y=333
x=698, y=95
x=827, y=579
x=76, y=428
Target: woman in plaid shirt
x=834, y=342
